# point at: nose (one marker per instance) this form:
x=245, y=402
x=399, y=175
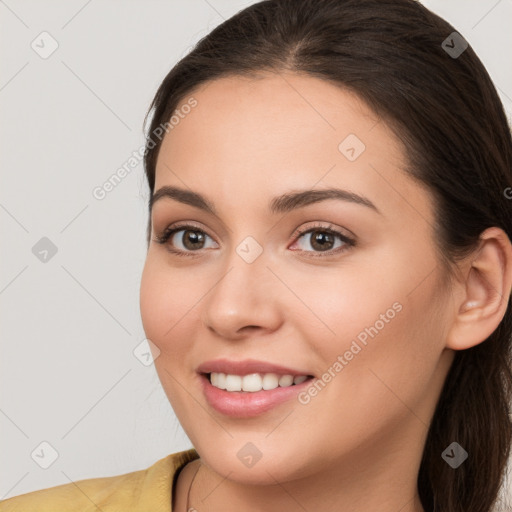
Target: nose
x=243, y=300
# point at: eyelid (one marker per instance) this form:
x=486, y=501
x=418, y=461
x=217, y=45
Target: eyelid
x=345, y=233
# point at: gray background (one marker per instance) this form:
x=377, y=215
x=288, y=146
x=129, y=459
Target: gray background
x=68, y=373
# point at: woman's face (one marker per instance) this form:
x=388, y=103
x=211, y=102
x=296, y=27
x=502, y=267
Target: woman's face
x=364, y=308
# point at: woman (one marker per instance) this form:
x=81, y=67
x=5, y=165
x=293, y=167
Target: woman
x=329, y=269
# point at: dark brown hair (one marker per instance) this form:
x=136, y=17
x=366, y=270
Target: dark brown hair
x=447, y=113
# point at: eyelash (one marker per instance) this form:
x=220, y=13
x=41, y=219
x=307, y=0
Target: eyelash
x=171, y=230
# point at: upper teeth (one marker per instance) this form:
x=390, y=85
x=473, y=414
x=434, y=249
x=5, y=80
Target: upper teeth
x=253, y=381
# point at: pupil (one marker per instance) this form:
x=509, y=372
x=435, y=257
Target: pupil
x=194, y=237
x=321, y=238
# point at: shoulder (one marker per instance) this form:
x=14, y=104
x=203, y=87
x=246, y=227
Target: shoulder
x=146, y=489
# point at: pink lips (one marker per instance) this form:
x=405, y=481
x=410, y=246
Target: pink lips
x=244, y=404
x=247, y=366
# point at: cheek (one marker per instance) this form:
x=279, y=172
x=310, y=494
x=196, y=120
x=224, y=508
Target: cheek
x=390, y=351
x=167, y=298
x=346, y=303
x=382, y=324
x=380, y=364
x=168, y=316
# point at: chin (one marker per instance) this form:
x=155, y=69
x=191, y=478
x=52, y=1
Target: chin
x=232, y=460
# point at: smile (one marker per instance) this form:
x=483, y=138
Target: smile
x=250, y=404
x=254, y=382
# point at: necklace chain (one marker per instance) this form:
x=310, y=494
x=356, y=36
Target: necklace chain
x=190, y=487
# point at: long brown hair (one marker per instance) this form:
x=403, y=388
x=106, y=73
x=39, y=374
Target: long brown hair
x=395, y=54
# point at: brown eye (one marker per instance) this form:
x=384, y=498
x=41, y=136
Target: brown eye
x=184, y=239
x=191, y=239
x=322, y=239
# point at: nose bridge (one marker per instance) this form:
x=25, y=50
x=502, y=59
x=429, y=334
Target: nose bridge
x=249, y=250
x=242, y=296
x=246, y=273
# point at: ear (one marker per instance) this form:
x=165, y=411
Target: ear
x=484, y=291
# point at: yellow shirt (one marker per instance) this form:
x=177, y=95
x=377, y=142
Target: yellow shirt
x=146, y=490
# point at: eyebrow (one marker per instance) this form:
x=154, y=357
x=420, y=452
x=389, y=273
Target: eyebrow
x=280, y=204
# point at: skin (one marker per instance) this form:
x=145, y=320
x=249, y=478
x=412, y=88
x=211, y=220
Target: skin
x=246, y=141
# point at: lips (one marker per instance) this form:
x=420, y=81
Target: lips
x=249, y=404
x=248, y=366
x=246, y=405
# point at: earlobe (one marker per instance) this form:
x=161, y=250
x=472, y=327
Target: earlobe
x=486, y=291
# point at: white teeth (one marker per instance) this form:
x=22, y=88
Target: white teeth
x=299, y=379
x=254, y=381
x=285, y=380
x=221, y=380
x=251, y=382
x=233, y=383
x=269, y=381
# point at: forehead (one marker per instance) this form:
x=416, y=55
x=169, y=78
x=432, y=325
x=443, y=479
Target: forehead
x=274, y=111
x=276, y=132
